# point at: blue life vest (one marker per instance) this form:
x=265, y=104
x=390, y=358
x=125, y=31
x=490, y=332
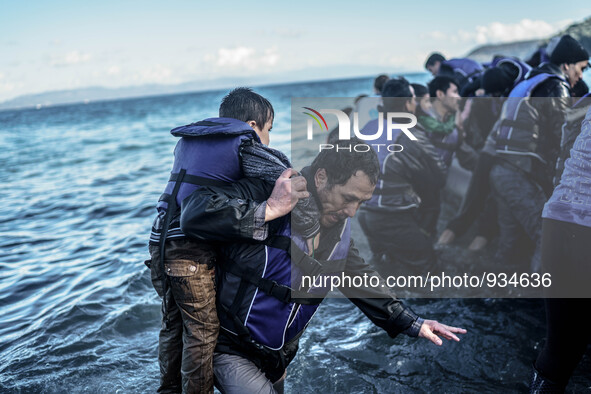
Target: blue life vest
x=208, y=151
x=466, y=68
x=521, y=136
x=522, y=67
x=207, y=154
x=256, y=301
x=381, y=193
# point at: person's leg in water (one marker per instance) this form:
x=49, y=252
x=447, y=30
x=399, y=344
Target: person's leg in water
x=519, y=202
x=170, y=337
x=486, y=226
x=406, y=246
x=473, y=202
x=376, y=247
x=237, y=375
x=188, y=338
x=565, y=254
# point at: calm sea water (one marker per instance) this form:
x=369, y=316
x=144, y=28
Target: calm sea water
x=77, y=310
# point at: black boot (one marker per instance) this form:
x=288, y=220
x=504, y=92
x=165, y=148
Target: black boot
x=541, y=385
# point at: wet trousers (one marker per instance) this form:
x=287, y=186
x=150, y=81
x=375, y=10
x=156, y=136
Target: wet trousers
x=401, y=239
x=237, y=375
x=477, y=203
x=520, y=202
x=190, y=324
x=566, y=248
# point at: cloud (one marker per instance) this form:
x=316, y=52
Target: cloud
x=244, y=58
x=234, y=57
x=497, y=32
x=70, y=59
x=526, y=29
x=113, y=70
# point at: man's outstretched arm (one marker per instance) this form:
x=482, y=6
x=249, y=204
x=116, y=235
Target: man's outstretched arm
x=382, y=307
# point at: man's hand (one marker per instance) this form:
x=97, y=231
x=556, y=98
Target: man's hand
x=285, y=194
x=431, y=328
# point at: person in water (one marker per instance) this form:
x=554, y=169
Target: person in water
x=210, y=152
x=399, y=220
x=261, y=319
x=527, y=143
x=478, y=204
x=463, y=70
x=442, y=122
x=566, y=247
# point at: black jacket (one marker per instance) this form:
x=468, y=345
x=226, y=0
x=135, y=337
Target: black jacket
x=412, y=177
x=228, y=213
x=545, y=115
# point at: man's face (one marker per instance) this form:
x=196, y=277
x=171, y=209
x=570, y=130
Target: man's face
x=341, y=201
x=425, y=103
x=434, y=68
x=574, y=71
x=264, y=132
x=450, y=99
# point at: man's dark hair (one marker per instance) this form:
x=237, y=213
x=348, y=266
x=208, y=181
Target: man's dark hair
x=341, y=164
x=396, y=88
x=434, y=58
x=440, y=82
x=244, y=104
x=420, y=90
x=379, y=82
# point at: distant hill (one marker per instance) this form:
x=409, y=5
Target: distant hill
x=582, y=32
x=97, y=93
x=524, y=49
x=520, y=49
x=92, y=94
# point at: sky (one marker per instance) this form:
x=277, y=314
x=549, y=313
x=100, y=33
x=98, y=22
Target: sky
x=60, y=45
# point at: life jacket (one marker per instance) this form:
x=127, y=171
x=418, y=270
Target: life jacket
x=518, y=132
x=382, y=194
x=466, y=69
x=522, y=67
x=256, y=300
x=207, y=155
